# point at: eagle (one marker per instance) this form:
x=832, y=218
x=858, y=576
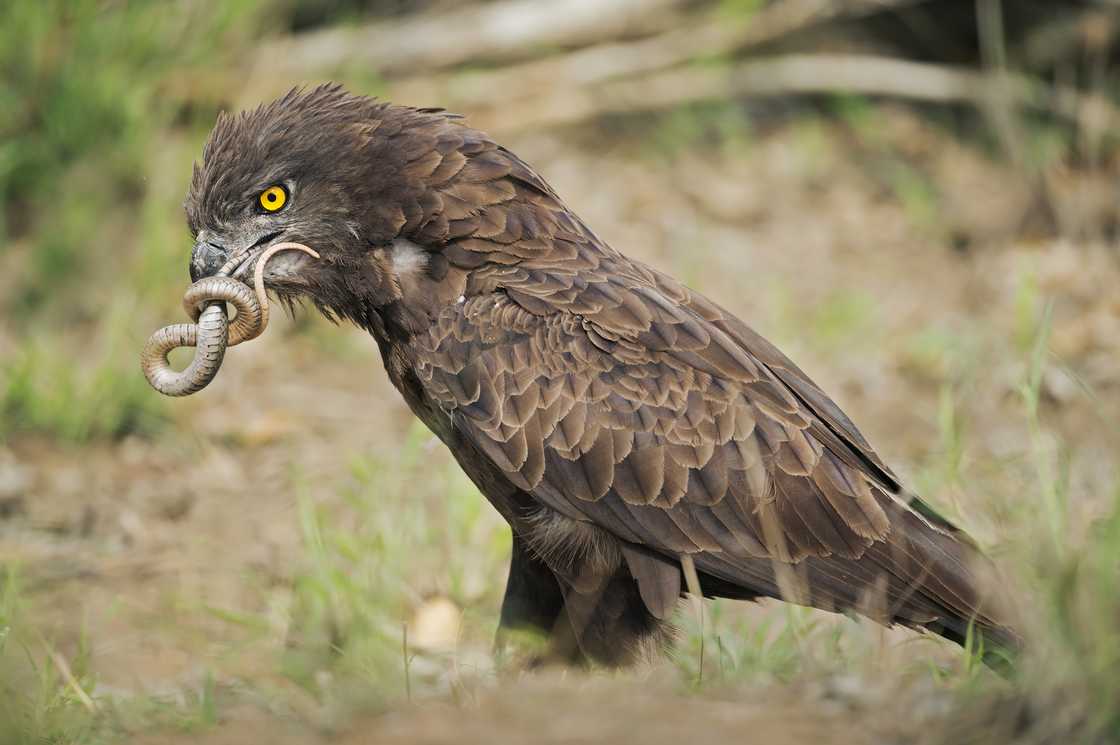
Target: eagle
x=641, y=441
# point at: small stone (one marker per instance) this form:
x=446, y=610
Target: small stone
x=435, y=625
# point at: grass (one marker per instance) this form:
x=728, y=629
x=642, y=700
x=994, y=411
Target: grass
x=43, y=391
x=719, y=126
x=368, y=566
x=1068, y=680
x=50, y=696
x=84, y=117
x=36, y=703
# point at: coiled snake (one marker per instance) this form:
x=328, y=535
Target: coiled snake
x=211, y=331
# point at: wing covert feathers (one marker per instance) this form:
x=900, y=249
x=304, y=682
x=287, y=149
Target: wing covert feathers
x=720, y=449
x=611, y=393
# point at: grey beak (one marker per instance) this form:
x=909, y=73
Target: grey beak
x=206, y=259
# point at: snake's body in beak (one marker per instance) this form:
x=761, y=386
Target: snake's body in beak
x=211, y=333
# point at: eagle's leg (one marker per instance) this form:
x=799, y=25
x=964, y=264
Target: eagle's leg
x=611, y=623
x=551, y=618
x=531, y=610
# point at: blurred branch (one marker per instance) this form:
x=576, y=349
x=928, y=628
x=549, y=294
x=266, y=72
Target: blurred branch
x=781, y=76
x=492, y=31
x=634, y=55
x=698, y=40
x=1092, y=29
x=604, y=31
x=63, y=668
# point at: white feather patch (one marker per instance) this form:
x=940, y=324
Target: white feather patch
x=408, y=258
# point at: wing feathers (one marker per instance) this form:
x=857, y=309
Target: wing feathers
x=553, y=398
x=659, y=581
x=611, y=393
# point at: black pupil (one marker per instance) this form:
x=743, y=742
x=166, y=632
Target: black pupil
x=271, y=196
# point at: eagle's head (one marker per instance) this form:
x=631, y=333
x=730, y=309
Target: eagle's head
x=346, y=175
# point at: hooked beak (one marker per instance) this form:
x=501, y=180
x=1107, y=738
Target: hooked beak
x=208, y=257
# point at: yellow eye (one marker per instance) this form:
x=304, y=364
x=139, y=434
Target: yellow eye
x=273, y=198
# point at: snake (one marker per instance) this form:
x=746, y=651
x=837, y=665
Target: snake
x=211, y=332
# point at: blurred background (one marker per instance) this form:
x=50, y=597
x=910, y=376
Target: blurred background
x=917, y=200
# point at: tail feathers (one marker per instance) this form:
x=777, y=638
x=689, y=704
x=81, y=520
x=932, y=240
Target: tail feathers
x=995, y=646
x=922, y=576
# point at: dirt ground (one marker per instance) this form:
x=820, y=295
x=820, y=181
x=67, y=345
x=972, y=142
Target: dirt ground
x=131, y=545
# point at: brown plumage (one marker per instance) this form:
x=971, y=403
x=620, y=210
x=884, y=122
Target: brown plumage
x=617, y=419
